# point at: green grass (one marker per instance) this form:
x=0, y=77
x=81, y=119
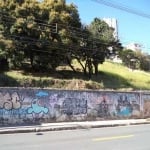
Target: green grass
x=134, y=79
x=111, y=76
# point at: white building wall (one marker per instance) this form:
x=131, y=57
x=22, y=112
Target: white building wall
x=112, y=22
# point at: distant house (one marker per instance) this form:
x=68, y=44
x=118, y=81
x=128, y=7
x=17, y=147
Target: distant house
x=117, y=59
x=134, y=46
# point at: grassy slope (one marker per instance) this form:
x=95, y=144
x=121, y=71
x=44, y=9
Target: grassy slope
x=111, y=76
x=125, y=77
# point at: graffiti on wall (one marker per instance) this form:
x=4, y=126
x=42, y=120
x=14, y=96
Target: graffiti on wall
x=116, y=104
x=31, y=104
x=146, y=101
x=74, y=106
x=103, y=108
x=126, y=106
x=9, y=101
x=38, y=108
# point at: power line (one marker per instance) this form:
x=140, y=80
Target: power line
x=74, y=31
x=9, y=19
x=33, y=42
x=123, y=8
x=69, y=50
x=42, y=22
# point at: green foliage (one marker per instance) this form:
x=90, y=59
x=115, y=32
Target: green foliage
x=101, y=31
x=127, y=55
x=46, y=34
x=100, y=38
x=38, y=32
x=135, y=59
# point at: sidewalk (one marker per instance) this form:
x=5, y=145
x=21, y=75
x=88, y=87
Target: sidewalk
x=71, y=125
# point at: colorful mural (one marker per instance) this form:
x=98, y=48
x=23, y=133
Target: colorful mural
x=43, y=105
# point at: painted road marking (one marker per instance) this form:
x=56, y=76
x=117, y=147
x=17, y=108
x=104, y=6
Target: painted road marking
x=112, y=138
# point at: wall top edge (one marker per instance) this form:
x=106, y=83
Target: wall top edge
x=80, y=90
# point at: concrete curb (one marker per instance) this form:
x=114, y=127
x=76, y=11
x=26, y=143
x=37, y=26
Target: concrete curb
x=70, y=126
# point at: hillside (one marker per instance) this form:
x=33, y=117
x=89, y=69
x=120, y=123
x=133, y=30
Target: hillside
x=111, y=76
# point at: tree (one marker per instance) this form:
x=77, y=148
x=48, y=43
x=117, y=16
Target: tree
x=92, y=45
x=129, y=58
x=144, y=60
x=6, y=21
x=6, y=47
x=100, y=38
x=40, y=31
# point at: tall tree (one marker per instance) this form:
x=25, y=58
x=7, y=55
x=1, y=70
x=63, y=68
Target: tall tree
x=64, y=16
x=100, y=38
x=6, y=21
x=40, y=31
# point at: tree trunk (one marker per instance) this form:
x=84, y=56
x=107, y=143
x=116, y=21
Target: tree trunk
x=95, y=68
x=31, y=59
x=69, y=63
x=83, y=68
x=90, y=68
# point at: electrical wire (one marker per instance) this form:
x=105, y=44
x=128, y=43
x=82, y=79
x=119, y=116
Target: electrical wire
x=33, y=42
x=77, y=33
x=74, y=33
x=123, y=8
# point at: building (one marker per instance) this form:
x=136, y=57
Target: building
x=112, y=22
x=134, y=46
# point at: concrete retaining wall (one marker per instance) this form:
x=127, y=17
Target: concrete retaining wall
x=21, y=106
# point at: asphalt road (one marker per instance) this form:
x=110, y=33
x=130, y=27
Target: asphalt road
x=114, y=138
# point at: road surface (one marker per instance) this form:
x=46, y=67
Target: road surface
x=114, y=138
